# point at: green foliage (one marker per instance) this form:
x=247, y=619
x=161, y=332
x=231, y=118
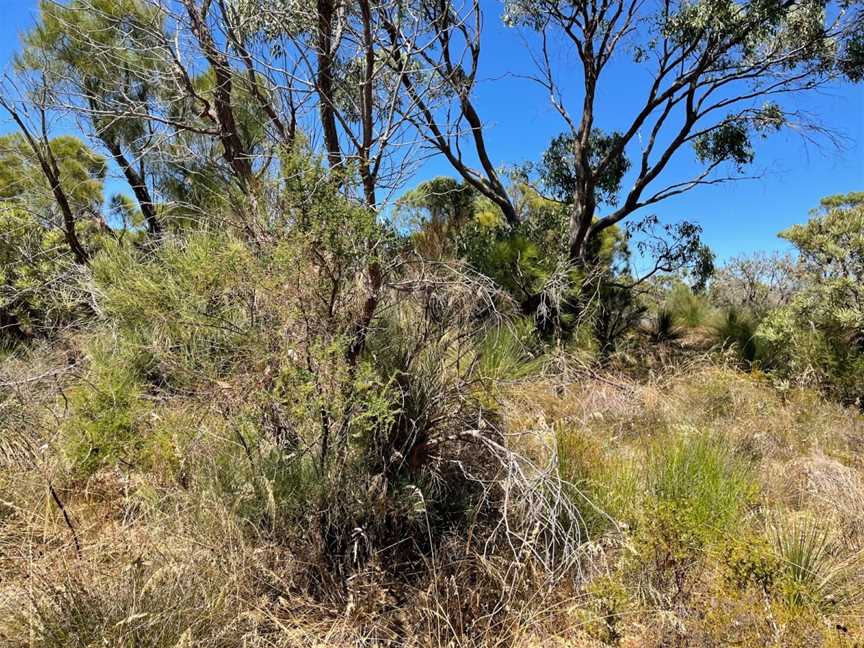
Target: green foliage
x=187, y=306
x=40, y=287
x=607, y=489
x=686, y=307
x=663, y=326
x=529, y=261
x=674, y=248
x=125, y=214
x=434, y=213
x=35, y=295
x=617, y=311
x=509, y=352
x=729, y=141
x=852, y=61
x=104, y=54
x=281, y=359
x=819, y=335
x=559, y=169
x=736, y=328
x=699, y=482
x=753, y=560
x=82, y=175
x=812, y=574
x=107, y=412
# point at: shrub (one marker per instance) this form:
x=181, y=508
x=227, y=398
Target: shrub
x=106, y=411
x=687, y=308
x=605, y=487
x=189, y=306
x=41, y=290
x=663, y=326
x=753, y=560
x=508, y=352
x=819, y=336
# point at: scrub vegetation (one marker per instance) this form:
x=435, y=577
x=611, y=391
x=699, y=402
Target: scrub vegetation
x=254, y=401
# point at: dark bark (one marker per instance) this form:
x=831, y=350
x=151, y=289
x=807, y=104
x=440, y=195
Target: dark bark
x=138, y=185
x=324, y=81
x=51, y=172
x=234, y=151
x=486, y=182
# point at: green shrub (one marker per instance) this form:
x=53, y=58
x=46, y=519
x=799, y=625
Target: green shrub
x=687, y=308
x=696, y=492
x=106, y=412
x=606, y=487
x=753, y=560
x=508, y=352
x=189, y=306
x=272, y=487
x=818, y=337
x=41, y=290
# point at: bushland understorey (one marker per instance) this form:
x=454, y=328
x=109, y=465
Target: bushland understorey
x=270, y=396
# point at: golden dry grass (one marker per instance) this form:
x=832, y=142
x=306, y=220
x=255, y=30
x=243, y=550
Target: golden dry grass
x=165, y=565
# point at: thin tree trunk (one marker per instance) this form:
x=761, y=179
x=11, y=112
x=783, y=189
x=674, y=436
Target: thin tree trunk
x=324, y=45
x=139, y=187
x=48, y=165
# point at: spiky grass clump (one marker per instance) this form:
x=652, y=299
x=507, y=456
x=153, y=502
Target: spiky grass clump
x=813, y=571
x=687, y=308
x=664, y=326
x=736, y=329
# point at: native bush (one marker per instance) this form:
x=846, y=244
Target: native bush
x=819, y=336
x=735, y=328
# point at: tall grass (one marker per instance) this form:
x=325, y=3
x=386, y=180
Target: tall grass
x=687, y=308
x=509, y=352
x=606, y=487
x=702, y=478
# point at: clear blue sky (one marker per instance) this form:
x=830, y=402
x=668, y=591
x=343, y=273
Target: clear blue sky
x=739, y=217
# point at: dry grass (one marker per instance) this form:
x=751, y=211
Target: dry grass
x=163, y=564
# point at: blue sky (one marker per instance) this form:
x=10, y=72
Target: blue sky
x=739, y=217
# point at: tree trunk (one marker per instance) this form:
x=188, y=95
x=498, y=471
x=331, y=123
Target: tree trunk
x=324, y=45
x=136, y=182
x=43, y=153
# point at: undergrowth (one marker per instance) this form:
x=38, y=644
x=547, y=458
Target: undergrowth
x=209, y=465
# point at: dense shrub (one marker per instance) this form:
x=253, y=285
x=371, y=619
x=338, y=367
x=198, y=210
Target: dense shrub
x=818, y=336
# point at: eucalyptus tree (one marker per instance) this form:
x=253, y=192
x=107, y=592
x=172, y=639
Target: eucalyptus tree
x=756, y=282
x=708, y=76
x=331, y=58
x=434, y=47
